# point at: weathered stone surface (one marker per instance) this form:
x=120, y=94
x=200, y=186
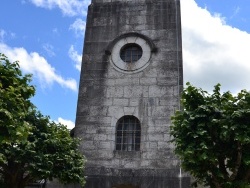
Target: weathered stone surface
x=120, y=102
x=151, y=94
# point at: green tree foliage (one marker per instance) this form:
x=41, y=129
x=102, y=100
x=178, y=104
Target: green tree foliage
x=212, y=137
x=32, y=147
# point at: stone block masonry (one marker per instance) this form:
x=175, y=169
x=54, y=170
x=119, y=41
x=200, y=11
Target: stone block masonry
x=149, y=90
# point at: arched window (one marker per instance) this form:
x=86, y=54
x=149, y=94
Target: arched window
x=128, y=134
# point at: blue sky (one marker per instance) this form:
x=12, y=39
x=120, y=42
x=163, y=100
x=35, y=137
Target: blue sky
x=46, y=36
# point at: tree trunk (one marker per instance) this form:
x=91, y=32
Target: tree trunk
x=11, y=181
x=215, y=182
x=13, y=175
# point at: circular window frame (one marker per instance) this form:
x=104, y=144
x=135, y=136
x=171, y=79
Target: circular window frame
x=134, y=67
x=129, y=49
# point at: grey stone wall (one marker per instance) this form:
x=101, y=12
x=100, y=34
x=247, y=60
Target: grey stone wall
x=141, y=178
x=151, y=95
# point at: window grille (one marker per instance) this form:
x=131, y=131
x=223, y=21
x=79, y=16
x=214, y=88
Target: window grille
x=131, y=53
x=128, y=134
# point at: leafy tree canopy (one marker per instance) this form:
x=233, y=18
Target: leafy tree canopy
x=212, y=137
x=32, y=147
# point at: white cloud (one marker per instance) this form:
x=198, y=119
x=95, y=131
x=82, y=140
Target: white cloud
x=49, y=49
x=236, y=11
x=70, y=124
x=77, y=58
x=79, y=27
x=55, y=31
x=213, y=52
x=38, y=66
x=68, y=7
x=2, y=34
x=12, y=35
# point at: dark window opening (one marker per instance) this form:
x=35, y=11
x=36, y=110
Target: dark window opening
x=128, y=134
x=131, y=53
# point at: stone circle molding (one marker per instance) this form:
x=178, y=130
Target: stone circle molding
x=114, y=51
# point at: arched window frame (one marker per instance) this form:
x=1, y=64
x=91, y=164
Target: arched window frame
x=128, y=134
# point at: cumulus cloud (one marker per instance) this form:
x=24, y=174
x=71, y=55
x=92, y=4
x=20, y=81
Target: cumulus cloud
x=68, y=7
x=70, y=124
x=79, y=27
x=213, y=52
x=77, y=58
x=38, y=66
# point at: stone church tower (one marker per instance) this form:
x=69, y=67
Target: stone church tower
x=130, y=86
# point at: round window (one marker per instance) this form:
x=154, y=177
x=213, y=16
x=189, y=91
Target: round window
x=131, y=53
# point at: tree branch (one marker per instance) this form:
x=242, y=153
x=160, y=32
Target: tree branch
x=237, y=162
x=27, y=178
x=222, y=167
x=247, y=176
x=215, y=181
